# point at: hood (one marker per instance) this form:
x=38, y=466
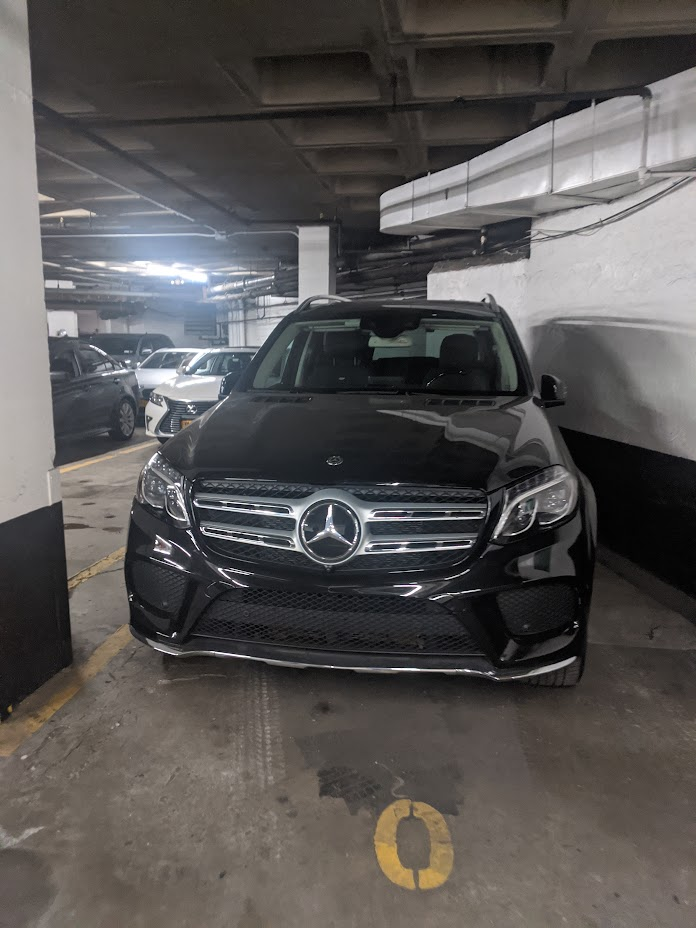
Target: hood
x=381, y=439
x=190, y=387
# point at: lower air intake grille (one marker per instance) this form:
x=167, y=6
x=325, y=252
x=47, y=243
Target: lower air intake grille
x=158, y=586
x=537, y=609
x=335, y=622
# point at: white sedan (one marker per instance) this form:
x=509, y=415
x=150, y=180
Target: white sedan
x=196, y=389
x=161, y=365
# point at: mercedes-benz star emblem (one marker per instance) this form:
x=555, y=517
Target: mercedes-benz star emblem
x=334, y=460
x=192, y=408
x=330, y=532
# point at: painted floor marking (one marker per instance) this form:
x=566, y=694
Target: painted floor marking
x=97, y=568
x=387, y=851
x=26, y=722
x=38, y=708
x=106, y=457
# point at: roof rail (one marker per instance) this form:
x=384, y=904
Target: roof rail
x=490, y=299
x=305, y=304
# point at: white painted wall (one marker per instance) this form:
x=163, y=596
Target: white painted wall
x=316, y=261
x=270, y=309
x=27, y=477
x=613, y=313
x=63, y=320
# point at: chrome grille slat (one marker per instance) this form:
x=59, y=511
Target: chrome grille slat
x=258, y=507
x=395, y=544
x=268, y=537
x=459, y=519
x=431, y=513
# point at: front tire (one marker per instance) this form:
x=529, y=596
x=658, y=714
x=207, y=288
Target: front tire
x=123, y=421
x=566, y=676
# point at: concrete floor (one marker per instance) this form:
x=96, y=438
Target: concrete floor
x=229, y=794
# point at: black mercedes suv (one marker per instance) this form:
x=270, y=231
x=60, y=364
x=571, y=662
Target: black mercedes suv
x=381, y=491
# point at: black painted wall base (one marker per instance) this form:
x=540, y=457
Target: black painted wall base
x=34, y=615
x=646, y=502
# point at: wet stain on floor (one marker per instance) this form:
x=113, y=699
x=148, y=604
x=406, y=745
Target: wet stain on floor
x=27, y=889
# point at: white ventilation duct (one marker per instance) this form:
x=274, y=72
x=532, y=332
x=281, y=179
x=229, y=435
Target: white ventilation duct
x=594, y=156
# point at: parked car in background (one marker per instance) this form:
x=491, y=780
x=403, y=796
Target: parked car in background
x=92, y=392
x=161, y=365
x=129, y=349
x=196, y=389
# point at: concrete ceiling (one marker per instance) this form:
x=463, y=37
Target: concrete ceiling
x=104, y=66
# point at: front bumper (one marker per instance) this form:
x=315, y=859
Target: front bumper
x=502, y=640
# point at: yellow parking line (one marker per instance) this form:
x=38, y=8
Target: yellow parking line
x=38, y=708
x=53, y=695
x=106, y=457
x=96, y=568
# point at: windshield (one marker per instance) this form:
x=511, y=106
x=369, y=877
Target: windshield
x=116, y=344
x=170, y=359
x=392, y=350
x=219, y=363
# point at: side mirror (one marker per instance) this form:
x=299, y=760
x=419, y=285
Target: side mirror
x=228, y=383
x=60, y=376
x=553, y=391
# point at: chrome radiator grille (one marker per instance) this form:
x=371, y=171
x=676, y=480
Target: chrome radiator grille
x=178, y=410
x=400, y=528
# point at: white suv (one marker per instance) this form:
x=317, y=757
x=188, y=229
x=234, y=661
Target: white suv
x=175, y=403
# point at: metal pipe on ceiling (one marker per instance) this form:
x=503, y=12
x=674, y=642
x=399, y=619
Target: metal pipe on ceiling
x=321, y=112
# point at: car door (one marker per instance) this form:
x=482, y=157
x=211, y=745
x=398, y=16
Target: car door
x=102, y=387
x=66, y=390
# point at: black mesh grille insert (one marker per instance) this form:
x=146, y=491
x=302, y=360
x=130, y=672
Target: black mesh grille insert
x=260, y=488
x=335, y=622
x=158, y=586
x=539, y=608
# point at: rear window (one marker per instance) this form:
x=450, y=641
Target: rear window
x=438, y=351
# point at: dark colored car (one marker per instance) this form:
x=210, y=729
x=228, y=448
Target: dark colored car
x=382, y=491
x=92, y=392
x=129, y=349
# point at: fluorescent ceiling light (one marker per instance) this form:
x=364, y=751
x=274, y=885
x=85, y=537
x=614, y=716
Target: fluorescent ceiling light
x=69, y=214
x=43, y=198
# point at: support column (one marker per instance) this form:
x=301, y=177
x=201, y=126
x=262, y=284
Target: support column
x=317, y=261
x=34, y=618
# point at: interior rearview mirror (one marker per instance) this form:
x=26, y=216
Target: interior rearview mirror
x=228, y=383
x=553, y=391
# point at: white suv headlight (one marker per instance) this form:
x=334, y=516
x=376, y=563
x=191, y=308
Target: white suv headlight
x=162, y=487
x=157, y=399
x=538, y=502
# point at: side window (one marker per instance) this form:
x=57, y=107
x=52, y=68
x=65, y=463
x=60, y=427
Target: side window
x=93, y=361
x=64, y=364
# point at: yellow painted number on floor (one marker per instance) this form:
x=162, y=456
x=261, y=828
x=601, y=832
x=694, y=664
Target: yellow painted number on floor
x=441, y=851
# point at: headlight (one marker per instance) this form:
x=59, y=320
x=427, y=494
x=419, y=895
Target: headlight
x=157, y=399
x=162, y=487
x=538, y=502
